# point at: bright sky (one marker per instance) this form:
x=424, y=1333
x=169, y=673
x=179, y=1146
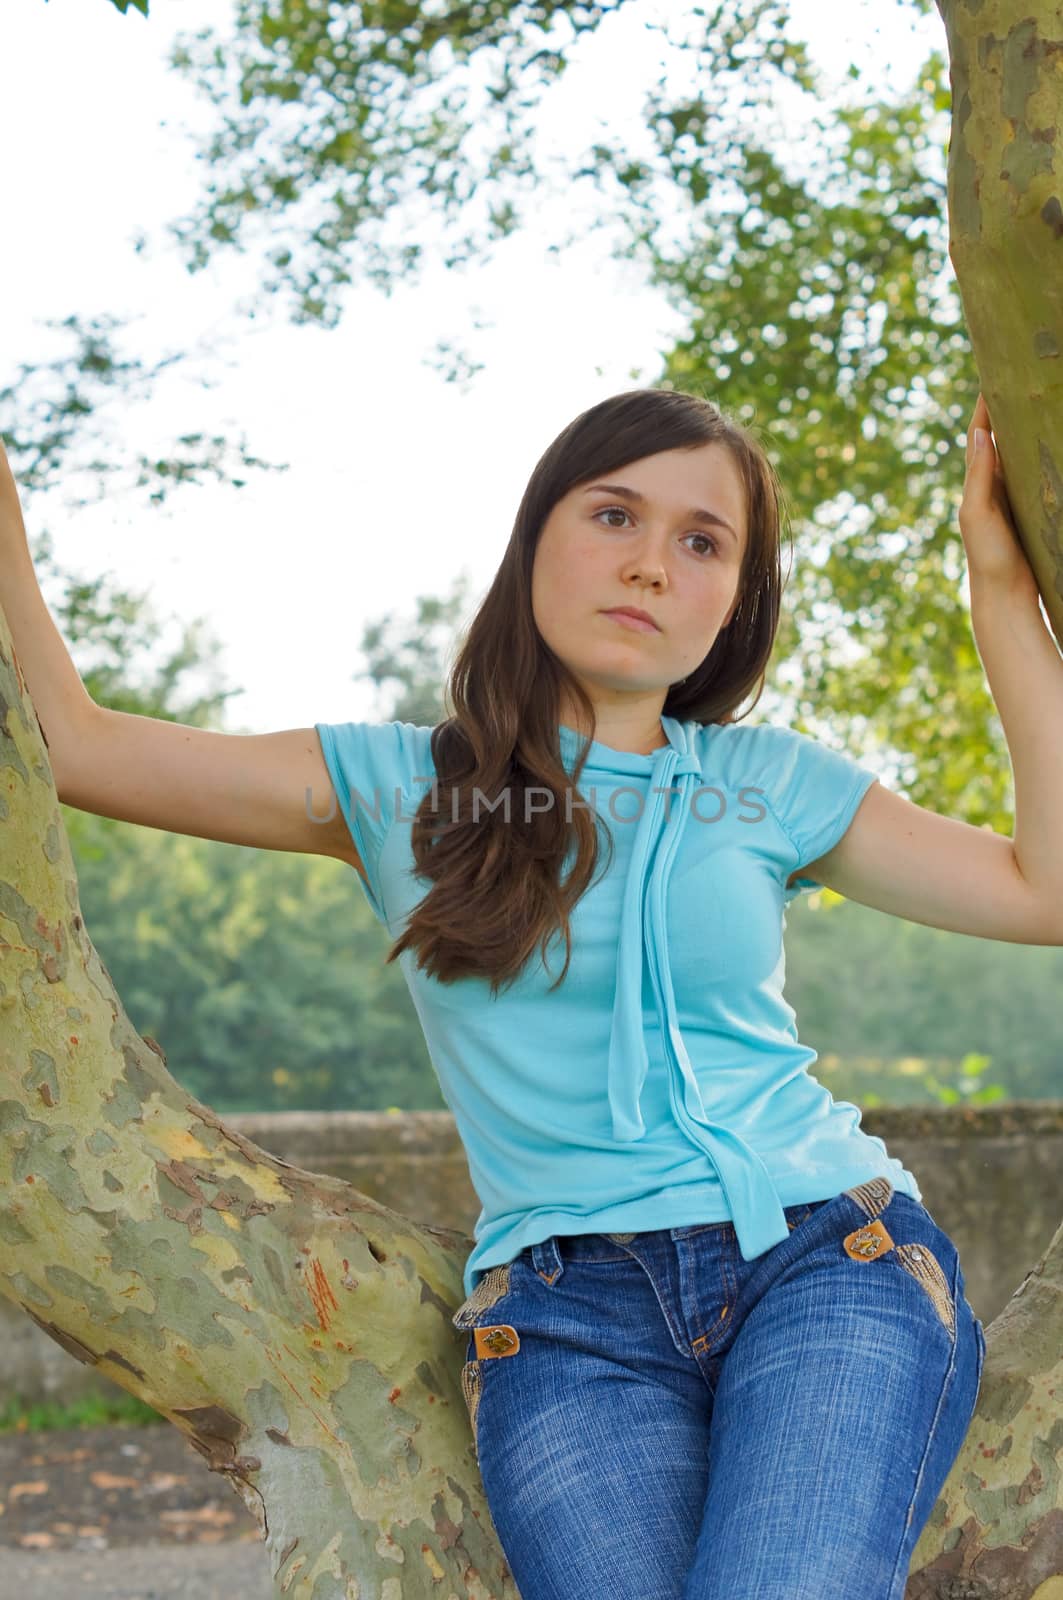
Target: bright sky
x=398, y=481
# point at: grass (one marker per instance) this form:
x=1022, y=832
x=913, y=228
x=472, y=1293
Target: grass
x=92, y=1411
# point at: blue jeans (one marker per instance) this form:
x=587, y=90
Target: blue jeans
x=657, y=1419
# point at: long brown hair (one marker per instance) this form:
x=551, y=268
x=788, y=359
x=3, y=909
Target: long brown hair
x=497, y=890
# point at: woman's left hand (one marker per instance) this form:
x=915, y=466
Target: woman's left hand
x=995, y=557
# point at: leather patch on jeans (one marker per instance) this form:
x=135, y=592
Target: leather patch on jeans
x=500, y=1340
x=867, y=1244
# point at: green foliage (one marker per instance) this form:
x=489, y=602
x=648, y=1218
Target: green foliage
x=91, y=1411
x=363, y=114
x=115, y=634
x=904, y=1014
x=53, y=414
x=258, y=972
x=413, y=656
x=812, y=272
x=136, y=5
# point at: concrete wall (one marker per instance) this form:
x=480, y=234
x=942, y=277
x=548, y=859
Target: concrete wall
x=991, y=1177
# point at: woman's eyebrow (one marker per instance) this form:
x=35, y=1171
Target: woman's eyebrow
x=696, y=514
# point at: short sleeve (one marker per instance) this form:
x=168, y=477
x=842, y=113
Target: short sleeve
x=814, y=791
x=374, y=768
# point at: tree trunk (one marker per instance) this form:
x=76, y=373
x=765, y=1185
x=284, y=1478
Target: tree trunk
x=997, y=1529
x=1006, y=244
x=297, y=1332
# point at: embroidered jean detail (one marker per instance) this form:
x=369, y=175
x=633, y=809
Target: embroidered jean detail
x=925, y=1268
x=471, y=1386
x=490, y=1289
x=488, y=1341
x=918, y=1260
x=873, y=1196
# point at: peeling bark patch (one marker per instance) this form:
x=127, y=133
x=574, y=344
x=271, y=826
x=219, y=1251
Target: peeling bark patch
x=317, y=1286
x=42, y=1077
x=1052, y=215
x=139, y=1074
x=9, y=752
x=1027, y=56
x=47, y=1152
x=121, y=1106
x=190, y=1217
x=12, y=1230
x=72, y=1346
x=182, y=1177
x=120, y=1361
x=254, y=1155
x=111, y=1183
x=100, y=1143
x=215, y=1433
x=33, y=929
x=239, y=1272
x=26, y=1289
x=275, y=1270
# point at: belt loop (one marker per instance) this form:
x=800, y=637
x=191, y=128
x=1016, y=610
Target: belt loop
x=547, y=1261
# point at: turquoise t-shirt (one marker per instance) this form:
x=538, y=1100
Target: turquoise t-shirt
x=663, y=1083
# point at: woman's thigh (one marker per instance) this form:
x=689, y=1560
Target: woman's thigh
x=840, y=1407
x=592, y=1432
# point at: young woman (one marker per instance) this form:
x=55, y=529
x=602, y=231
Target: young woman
x=716, y=1345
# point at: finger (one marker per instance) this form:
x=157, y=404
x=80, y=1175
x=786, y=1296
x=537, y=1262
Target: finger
x=979, y=481
x=979, y=416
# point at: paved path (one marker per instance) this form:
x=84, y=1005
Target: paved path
x=229, y=1571
x=122, y=1513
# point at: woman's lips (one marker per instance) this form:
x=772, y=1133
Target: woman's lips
x=626, y=620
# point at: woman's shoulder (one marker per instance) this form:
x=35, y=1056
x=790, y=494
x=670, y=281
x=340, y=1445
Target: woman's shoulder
x=393, y=753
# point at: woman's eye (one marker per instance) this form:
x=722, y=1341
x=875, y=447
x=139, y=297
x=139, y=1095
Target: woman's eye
x=707, y=540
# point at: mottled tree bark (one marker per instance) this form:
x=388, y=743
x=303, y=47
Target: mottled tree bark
x=1006, y=244
x=297, y=1332
x=996, y=1532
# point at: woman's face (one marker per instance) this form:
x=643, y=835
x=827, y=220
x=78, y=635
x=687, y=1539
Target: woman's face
x=600, y=549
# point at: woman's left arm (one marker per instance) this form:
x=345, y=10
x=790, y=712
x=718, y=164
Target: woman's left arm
x=1021, y=660
x=910, y=862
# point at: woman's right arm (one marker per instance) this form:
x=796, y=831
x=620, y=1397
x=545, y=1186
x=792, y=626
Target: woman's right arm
x=261, y=789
